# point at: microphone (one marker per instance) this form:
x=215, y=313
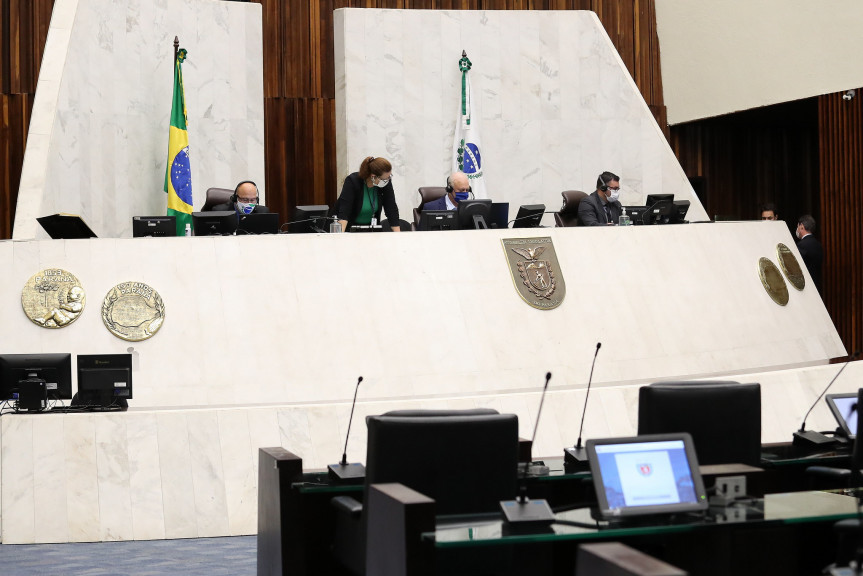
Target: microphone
x=804, y=437
x=343, y=471
x=315, y=228
x=524, y=511
x=578, y=455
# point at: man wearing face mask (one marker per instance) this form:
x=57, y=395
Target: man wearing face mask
x=457, y=188
x=601, y=208
x=244, y=200
x=810, y=248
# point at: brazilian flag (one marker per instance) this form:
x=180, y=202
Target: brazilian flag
x=178, y=176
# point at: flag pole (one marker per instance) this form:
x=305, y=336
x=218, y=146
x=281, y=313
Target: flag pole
x=176, y=48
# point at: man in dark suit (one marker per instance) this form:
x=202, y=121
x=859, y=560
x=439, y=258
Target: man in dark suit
x=457, y=189
x=244, y=200
x=810, y=248
x=601, y=208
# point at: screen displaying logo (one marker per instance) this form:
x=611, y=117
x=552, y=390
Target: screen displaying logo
x=645, y=469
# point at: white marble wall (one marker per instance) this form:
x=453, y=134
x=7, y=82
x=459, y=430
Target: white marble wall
x=98, y=139
x=556, y=102
x=154, y=474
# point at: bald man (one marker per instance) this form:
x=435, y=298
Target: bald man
x=244, y=200
x=457, y=189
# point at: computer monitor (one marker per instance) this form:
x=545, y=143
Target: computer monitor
x=156, y=226
x=432, y=220
x=309, y=220
x=678, y=211
x=646, y=475
x=499, y=217
x=54, y=369
x=474, y=214
x=104, y=381
x=723, y=417
x=529, y=216
x=258, y=223
x=216, y=223
x=636, y=214
x=844, y=409
x=659, y=208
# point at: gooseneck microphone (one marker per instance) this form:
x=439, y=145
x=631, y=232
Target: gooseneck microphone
x=578, y=455
x=523, y=511
x=804, y=437
x=344, y=471
x=525, y=218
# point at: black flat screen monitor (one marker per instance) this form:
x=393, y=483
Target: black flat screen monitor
x=216, y=223
x=678, y=211
x=104, y=381
x=65, y=226
x=844, y=409
x=659, y=208
x=258, y=223
x=433, y=220
x=636, y=214
x=474, y=214
x=646, y=475
x=309, y=220
x=499, y=217
x=54, y=369
x=529, y=216
x=156, y=226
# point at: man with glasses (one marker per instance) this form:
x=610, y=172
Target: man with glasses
x=457, y=188
x=601, y=208
x=244, y=200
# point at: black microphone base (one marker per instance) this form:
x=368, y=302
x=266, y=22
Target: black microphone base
x=350, y=473
x=575, y=457
x=527, y=512
x=812, y=439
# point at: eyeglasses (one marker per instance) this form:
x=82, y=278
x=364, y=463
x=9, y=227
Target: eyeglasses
x=613, y=188
x=248, y=200
x=768, y=217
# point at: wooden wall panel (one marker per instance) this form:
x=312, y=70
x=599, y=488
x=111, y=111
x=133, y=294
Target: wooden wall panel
x=841, y=226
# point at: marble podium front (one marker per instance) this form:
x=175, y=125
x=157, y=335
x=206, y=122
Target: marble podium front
x=264, y=338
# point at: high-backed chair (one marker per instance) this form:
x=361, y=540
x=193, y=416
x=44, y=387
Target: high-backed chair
x=466, y=460
x=216, y=196
x=427, y=194
x=568, y=215
x=724, y=418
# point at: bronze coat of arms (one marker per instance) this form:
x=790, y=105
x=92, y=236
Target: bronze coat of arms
x=535, y=271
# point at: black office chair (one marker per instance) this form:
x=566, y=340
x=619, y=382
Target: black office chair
x=466, y=460
x=724, y=418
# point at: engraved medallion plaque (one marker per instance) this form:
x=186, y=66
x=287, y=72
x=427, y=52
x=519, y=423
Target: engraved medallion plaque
x=133, y=311
x=53, y=298
x=535, y=271
x=790, y=266
x=773, y=281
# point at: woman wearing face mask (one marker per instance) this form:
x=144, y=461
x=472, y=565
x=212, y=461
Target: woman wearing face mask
x=602, y=207
x=367, y=192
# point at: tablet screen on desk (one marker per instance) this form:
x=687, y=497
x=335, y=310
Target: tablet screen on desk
x=656, y=474
x=843, y=408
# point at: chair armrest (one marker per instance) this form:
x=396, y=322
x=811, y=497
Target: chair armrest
x=347, y=505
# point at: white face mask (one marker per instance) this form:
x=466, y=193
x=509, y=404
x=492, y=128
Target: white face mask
x=244, y=208
x=382, y=183
x=613, y=195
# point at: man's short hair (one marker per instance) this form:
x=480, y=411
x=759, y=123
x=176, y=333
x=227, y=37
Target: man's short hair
x=808, y=223
x=605, y=178
x=770, y=207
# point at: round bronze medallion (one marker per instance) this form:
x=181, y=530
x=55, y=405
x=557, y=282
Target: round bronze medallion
x=53, y=298
x=133, y=311
x=773, y=281
x=790, y=266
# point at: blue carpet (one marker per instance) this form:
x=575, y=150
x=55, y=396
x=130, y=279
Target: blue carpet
x=236, y=556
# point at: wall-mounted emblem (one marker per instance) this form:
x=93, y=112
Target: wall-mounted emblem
x=53, y=298
x=133, y=311
x=535, y=271
x=790, y=266
x=773, y=281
